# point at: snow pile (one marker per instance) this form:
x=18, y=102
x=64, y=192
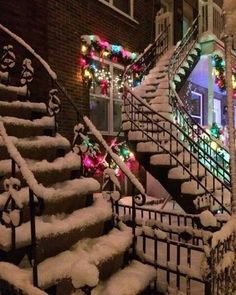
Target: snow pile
x=84, y=273
x=129, y=281
x=207, y=219
x=18, y=278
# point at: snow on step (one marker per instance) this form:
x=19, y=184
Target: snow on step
x=161, y=107
x=157, y=136
x=43, y=122
x=53, y=225
x=224, y=197
x=39, y=142
x=186, y=158
x=160, y=99
x=79, y=263
x=19, y=90
x=20, y=279
x=24, y=104
x=163, y=160
x=69, y=161
x=131, y=280
x=139, y=117
x=192, y=188
x=56, y=192
x=141, y=125
x=180, y=173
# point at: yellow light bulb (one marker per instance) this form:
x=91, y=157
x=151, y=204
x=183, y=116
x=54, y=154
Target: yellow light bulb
x=84, y=49
x=214, y=145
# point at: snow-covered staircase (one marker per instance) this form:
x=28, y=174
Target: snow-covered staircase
x=164, y=137
x=57, y=231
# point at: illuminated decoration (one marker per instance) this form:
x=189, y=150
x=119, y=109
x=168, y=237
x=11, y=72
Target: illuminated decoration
x=94, y=161
x=92, y=45
x=219, y=71
x=215, y=130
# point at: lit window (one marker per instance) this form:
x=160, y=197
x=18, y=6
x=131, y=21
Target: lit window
x=196, y=106
x=105, y=96
x=125, y=7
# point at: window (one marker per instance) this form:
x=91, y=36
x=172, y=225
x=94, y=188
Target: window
x=125, y=7
x=196, y=106
x=105, y=97
x=217, y=112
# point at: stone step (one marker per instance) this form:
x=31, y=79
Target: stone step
x=61, y=169
x=59, y=232
x=26, y=128
x=62, y=197
x=24, y=110
x=137, y=276
x=38, y=148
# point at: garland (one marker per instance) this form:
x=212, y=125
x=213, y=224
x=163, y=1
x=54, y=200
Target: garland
x=219, y=71
x=92, y=45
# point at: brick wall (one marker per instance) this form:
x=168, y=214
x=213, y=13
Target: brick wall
x=53, y=28
x=68, y=20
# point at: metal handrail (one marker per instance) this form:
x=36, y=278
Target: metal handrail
x=132, y=107
x=177, y=59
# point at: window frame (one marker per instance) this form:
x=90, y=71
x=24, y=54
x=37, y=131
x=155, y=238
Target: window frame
x=110, y=98
x=130, y=16
x=200, y=117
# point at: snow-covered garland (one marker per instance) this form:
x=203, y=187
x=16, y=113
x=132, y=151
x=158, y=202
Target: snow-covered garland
x=94, y=160
x=92, y=45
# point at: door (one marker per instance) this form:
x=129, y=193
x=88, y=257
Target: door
x=163, y=20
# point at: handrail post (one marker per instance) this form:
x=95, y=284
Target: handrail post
x=210, y=16
x=134, y=221
x=33, y=238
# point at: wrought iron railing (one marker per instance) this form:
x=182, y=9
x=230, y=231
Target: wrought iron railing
x=217, y=162
x=170, y=218
x=156, y=121
x=55, y=90
x=148, y=59
x=187, y=130
x=220, y=259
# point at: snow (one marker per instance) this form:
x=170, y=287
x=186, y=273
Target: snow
x=70, y=161
x=43, y=122
x=20, y=90
x=114, y=156
x=31, y=50
x=94, y=251
x=24, y=104
x=18, y=278
x=53, y=225
x=129, y=281
x=224, y=233
x=84, y=273
x=227, y=261
x=207, y=219
x=39, y=142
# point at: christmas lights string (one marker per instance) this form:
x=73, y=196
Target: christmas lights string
x=219, y=71
x=93, y=46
